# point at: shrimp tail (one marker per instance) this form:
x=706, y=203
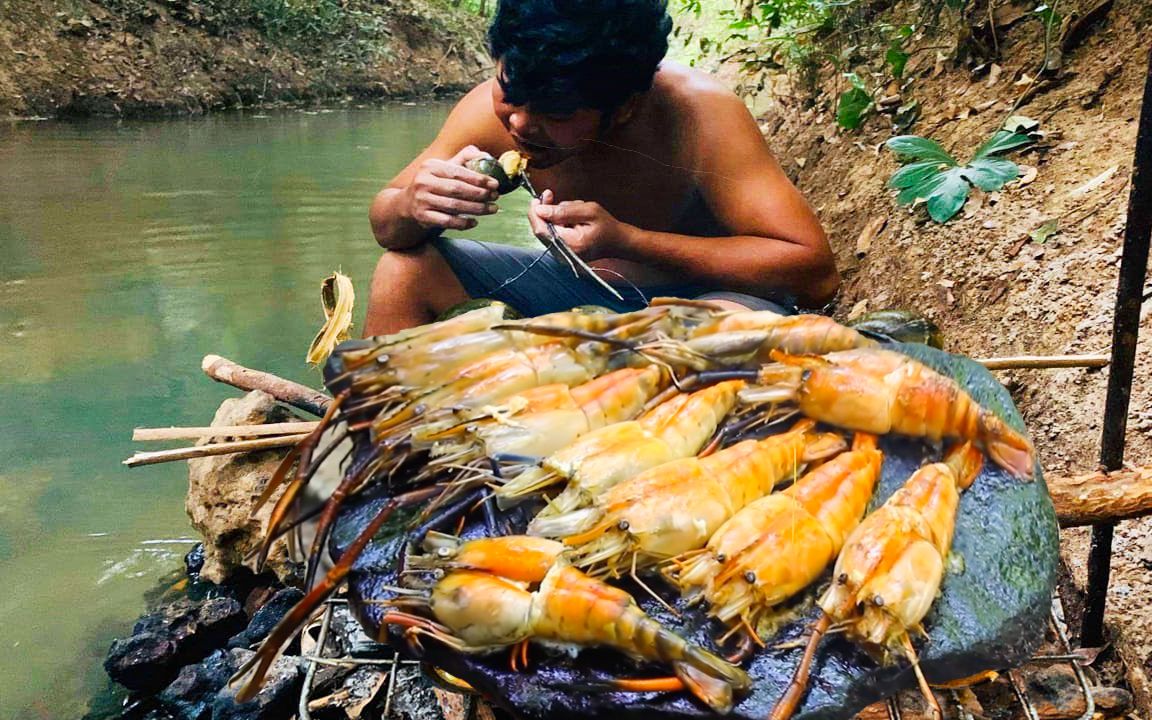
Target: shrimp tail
x=1006, y=447
x=715, y=693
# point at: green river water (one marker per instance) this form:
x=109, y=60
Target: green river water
x=130, y=250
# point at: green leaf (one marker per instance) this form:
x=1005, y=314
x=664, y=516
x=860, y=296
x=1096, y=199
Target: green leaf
x=945, y=193
x=1048, y=229
x=1001, y=142
x=948, y=196
x=914, y=146
x=915, y=173
x=896, y=59
x=854, y=105
x=990, y=174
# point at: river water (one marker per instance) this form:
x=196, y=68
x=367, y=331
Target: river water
x=129, y=251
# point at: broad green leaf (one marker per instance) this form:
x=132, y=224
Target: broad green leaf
x=914, y=146
x=1001, y=142
x=991, y=174
x=921, y=190
x=896, y=59
x=948, y=196
x=915, y=173
x=854, y=104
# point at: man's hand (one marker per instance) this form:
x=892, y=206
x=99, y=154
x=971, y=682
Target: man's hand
x=445, y=194
x=586, y=227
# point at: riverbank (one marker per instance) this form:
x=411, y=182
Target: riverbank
x=136, y=58
x=1031, y=269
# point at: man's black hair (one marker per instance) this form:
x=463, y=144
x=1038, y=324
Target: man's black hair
x=558, y=56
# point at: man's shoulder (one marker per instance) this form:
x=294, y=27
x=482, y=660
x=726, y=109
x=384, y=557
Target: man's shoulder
x=690, y=87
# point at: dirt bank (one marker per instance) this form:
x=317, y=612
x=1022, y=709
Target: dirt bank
x=992, y=288
x=138, y=57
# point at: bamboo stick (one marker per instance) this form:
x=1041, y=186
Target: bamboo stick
x=1044, y=361
x=223, y=448
x=195, y=433
x=286, y=391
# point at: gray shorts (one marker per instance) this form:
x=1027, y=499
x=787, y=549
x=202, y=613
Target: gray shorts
x=534, y=283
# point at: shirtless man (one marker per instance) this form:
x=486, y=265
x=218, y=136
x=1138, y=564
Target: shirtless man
x=650, y=170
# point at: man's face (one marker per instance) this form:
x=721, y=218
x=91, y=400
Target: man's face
x=546, y=139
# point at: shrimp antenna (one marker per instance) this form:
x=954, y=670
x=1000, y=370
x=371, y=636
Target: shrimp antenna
x=786, y=707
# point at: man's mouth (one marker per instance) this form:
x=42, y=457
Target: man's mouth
x=530, y=148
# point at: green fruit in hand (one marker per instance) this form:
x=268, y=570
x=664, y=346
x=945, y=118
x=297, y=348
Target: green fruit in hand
x=506, y=170
x=475, y=304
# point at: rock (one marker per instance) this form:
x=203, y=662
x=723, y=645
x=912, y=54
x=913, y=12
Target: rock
x=1112, y=701
x=266, y=618
x=223, y=489
x=1056, y=693
x=194, y=560
x=192, y=693
x=196, y=628
x=144, y=662
x=276, y=700
x=992, y=610
x=172, y=636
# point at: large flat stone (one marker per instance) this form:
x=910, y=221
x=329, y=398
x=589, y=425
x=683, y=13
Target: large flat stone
x=991, y=612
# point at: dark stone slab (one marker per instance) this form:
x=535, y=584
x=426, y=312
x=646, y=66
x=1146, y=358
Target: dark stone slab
x=192, y=693
x=991, y=612
x=266, y=618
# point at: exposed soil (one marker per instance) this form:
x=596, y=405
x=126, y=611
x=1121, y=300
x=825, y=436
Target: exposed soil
x=993, y=289
x=137, y=57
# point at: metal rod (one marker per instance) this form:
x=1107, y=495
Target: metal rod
x=1125, y=328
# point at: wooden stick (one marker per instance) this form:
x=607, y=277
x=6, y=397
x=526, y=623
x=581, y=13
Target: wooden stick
x=223, y=448
x=286, y=391
x=1102, y=497
x=195, y=433
x=1045, y=361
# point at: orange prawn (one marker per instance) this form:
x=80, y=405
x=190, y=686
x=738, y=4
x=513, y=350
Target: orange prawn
x=781, y=543
x=676, y=507
x=890, y=569
x=881, y=391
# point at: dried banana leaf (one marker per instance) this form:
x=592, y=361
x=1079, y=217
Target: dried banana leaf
x=336, y=297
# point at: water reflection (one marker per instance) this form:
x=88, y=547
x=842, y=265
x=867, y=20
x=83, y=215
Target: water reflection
x=130, y=251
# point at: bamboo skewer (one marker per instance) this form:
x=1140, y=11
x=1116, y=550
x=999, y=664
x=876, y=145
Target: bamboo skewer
x=196, y=433
x=1045, y=361
x=222, y=448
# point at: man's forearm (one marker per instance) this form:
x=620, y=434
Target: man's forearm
x=744, y=263
x=391, y=226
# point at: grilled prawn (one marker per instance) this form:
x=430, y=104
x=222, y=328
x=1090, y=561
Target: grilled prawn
x=890, y=569
x=781, y=543
x=880, y=391
x=507, y=591
x=676, y=428
x=676, y=507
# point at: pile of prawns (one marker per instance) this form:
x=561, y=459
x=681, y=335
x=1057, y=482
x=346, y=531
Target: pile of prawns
x=634, y=432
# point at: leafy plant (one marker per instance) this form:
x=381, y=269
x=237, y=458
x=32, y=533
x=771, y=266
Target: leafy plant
x=854, y=104
x=933, y=176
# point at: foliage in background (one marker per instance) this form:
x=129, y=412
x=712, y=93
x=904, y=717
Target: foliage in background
x=932, y=176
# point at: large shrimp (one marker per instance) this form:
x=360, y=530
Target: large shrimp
x=890, y=569
x=781, y=543
x=745, y=339
x=434, y=353
x=676, y=507
x=507, y=591
x=676, y=428
x=880, y=391
x=545, y=419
